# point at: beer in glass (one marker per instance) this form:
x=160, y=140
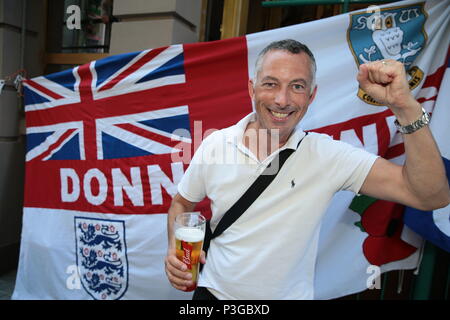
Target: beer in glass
x=189, y=235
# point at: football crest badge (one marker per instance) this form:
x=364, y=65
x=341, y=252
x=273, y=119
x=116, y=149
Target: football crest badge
x=101, y=255
x=390, y=33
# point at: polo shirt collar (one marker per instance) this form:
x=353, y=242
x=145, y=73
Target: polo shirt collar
x=237, y=133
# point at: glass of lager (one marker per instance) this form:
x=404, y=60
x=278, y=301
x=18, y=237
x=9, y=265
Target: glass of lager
x=189, y=235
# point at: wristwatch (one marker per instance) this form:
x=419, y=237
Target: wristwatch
x=416, y=125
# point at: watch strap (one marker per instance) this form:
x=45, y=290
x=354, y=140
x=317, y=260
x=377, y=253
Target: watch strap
x=414, y=126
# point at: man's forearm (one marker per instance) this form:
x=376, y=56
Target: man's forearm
x=175, y=209
x=421, y=182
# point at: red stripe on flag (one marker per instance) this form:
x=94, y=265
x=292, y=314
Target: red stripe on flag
x=435, y=79
x=85, y=86
x=155, y=99
x=152, y=136
x=143, y=60
x=422, y=100
x=55, y=145
x=395, y=151
x=48, y=92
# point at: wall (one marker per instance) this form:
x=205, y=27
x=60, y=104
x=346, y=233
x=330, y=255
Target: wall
x=152, y=24
x=12, y=142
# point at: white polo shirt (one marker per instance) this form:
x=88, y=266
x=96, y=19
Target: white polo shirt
x=270, y=251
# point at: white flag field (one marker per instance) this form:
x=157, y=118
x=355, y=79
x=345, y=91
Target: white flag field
x=97, y=190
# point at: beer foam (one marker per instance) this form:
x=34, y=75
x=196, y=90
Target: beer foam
x=189, y=234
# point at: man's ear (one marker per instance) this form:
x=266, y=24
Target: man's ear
x=312, y=95
x=251, y=89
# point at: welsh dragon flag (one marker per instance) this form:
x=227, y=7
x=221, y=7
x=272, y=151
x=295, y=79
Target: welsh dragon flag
x=107, y=143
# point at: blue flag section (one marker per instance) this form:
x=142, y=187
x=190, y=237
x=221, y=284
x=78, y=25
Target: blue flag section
x=434, y=226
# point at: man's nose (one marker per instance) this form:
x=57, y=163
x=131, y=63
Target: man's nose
x=282, y=98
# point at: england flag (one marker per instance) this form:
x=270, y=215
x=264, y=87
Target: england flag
x=108, y=142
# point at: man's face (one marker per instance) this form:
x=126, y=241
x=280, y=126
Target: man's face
x=282, y=91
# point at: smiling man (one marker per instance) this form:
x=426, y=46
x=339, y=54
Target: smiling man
x=270, y=251
x=283, y=88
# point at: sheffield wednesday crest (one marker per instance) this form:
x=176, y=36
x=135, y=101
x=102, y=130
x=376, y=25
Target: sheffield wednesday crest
x=101, y=254
x=390, y=33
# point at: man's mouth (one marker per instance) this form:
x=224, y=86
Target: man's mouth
x=279, y=116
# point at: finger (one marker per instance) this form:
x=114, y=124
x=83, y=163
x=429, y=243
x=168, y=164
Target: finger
x=362, y=70
x=177, y=283
x=368, y=84
x=177, y=268
x=371, y=72
x=172, y=259
x=175, y=280
x=386, y=70
x=363, y=74
x=392, y=63
x=376, y=72
x=203, y=257
x=182, y=288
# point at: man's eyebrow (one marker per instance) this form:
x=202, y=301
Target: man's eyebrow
x=299, y=80
x=269, y=78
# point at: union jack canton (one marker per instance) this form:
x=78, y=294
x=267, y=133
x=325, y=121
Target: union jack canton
x=83, y=113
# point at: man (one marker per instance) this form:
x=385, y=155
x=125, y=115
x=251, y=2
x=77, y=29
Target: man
x=270, y=251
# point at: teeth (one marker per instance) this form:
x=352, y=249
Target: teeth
x=279, y=115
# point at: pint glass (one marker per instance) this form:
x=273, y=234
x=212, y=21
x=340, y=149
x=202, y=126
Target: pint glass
x=189, y=234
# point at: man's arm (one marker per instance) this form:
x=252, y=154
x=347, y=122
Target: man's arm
x=178, y=205
x=421, y=182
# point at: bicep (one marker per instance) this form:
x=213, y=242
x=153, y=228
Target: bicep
x=386, y=181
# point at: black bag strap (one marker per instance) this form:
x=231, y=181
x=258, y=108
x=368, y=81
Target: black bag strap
x=252, y=193
x=247, y=199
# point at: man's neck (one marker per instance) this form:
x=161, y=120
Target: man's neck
x=262, y=142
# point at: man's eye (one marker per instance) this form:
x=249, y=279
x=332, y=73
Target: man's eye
x=298, y=87
x=269, y=84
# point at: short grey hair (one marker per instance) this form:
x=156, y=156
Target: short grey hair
x=291, y=46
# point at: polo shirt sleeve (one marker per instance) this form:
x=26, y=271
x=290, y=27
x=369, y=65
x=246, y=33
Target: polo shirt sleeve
x=346, y=166
x=355, y=165
x=192, y=185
